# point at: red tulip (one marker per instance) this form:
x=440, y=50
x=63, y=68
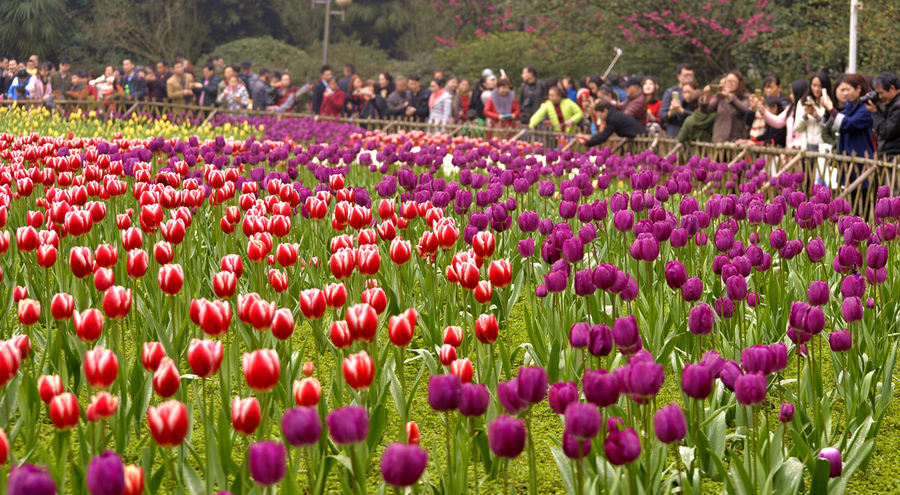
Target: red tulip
x=61, y=306
x=106, y=255
x=312, y=303
x=307, y=392
x=100, y=367
x=483, y=292
x=386, y=231
x=447, y=233
x=170, y=279
x=286, y=254
x=137, y=262
x=368, y=259
x=22, y=344
x=261, y=369
x=467, y=274
x=500, y=273
x=117, y=302
x=151, y=355
x=339, y=242
x=278, y=280
x=340, y=334
x=88, y=324
x=335, y=295
x=173, y=231
x=342, y=263
x=483, y=243
x=134, y=480
x=486, y=328
x=412, y=433
x=400, y=251
x=336, y=181
x=362, y=320
x=166, y=379
x=163, y=253
x=46, y=255
x=123, y=221
x=256, y=249
x=29, y=311
x=104, y=278
x=132, y=239
x=49, y=386
x=103, y=405
x=224, y=284
x=375, y=297
x=19, y=293
x=386, y=209
x=81, y=261
x=245, y=415
x=214, y=317
x=232, y=263
x=257, y=312
x=308, y=368
x=64, y=410
x=204, y=357
x=4, y=447
x=402, y=327
x=359, y=370
x=282, y=324
x=463, y=369
x=26, y=239
x=10, y=359
x=168, y=423
x=453, y=335
x=447, y=354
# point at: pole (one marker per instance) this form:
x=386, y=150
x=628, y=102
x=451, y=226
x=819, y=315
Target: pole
x=851, y=62
x=328, y=25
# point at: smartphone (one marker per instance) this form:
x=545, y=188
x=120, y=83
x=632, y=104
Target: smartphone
x=675, y=95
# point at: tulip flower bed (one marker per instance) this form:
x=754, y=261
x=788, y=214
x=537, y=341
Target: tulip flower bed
x=433, y=314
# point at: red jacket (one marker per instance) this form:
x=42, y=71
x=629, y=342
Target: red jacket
x=490, y=111
x=333, y=104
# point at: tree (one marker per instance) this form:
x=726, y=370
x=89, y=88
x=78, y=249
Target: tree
x=31, y=26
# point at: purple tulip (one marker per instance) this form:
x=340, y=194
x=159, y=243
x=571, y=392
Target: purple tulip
x=601, y=387
x=676, y=274
x=876, y=256
x=582, y=420
x=833, y=456
x=583, y=283
x=600, y=341
x=474, y=399
x=818, y=293
x=526, y=247
x=573, y=250
x=575, y=448
x=724, y=307
x=531, y=384
x=713, y=361
x=349, y=424
x=579, y=335
x=267, y=462
x=506, y=436
x=669, y=424
x=642, y=379
x=561, y=395
x=692, y=289
x=623, y=446
x=626, y=334
x=105, y=475
x=402, y=464
x=731, y=371
x=508, y=394
x=786, y=414
x=444, y=392
x=556, y=281
x=852, y=309
x=736, y=288
x=29, y=479
x=623, y=220
x=301, y=426
x=701, y=319
x=815, y=250
x=853, y=286
x=697, y=381
x=840, y=341
x=750, y=389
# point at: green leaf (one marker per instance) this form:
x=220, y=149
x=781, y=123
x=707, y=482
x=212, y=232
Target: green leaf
x=788, y=477
x=564, y=464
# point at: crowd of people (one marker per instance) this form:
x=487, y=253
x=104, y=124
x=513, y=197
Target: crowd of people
x=854, y=114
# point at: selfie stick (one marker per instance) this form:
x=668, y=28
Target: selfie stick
x=609, y=69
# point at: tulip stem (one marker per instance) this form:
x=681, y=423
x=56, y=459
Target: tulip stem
x=532, y=462
x=449, y=451
x=579, y=483
x=206, y=430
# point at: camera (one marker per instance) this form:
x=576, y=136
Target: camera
x=870, y=96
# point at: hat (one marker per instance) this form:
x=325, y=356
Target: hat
x=633, y=81
x=486, y=73
x=23, y=73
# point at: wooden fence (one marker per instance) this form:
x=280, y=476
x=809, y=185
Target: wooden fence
x=850, y=177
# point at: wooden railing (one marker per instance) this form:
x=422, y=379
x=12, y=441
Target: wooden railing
x=850, y=177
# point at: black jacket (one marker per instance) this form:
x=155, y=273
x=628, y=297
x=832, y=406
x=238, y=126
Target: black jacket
x=318, y=93
x=530, y=98
x=617, y=123
x=135, y=86
x=420, y=101
x=887, y=128
x=209, y=91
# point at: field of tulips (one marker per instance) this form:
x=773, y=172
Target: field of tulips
x=327, y=310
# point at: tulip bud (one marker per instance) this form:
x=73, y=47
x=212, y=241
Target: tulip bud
x=224, y=284
x=308, y=368
x=204, y=357
x=152, y=354
x=170, y=279
x=463, y=369
x=375, y=297
x=29, y=311
x=312, y=303
x=506, y=436
x=103, y=405
x=335, y=295
x=166, y=378
x=669, y=424
x=64, y=410
x=833, y=456
x=500, y=273
x=168, y=423
x=137, y=263
x=412, y=433
x=100, y=367
x=307, y=392
x=262, y=368
x=453, y=336
x=301, y=426
x=447, y=354
x=359, y=370
x=61, y=306
x=49, y=386
x=486, y=328
x=362, y=321
x=134, y=480
x=245, y=415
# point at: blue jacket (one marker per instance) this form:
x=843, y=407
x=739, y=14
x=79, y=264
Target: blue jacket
x=855, y=126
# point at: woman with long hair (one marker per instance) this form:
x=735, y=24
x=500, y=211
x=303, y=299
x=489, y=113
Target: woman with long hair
x=730, y=103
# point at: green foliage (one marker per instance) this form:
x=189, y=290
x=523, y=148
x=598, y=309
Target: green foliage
x=30, y=26
x=369, y=61
x=270, y=53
